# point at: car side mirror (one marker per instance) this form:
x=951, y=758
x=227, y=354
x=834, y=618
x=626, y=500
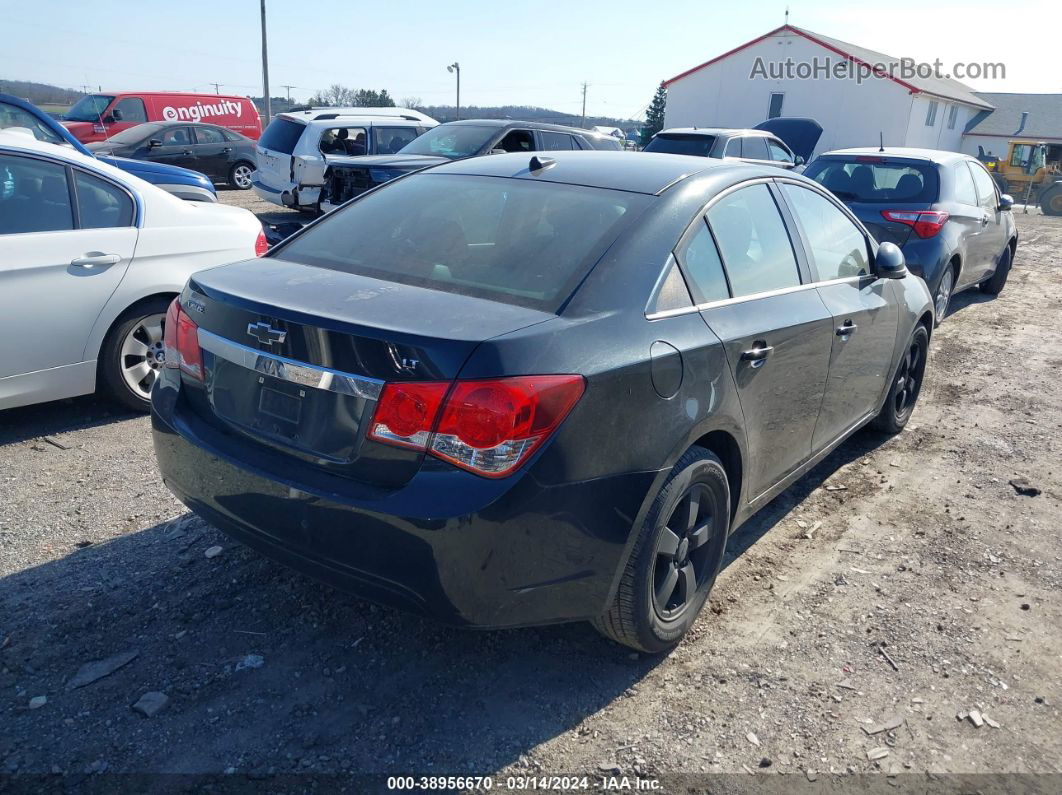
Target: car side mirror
x=889, y=262
x=108, y=119
x=799, y=161
x=499, y=152
x=1006, y=201
x=154, y=142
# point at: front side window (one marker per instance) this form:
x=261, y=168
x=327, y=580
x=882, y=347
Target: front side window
x=517, y=141
x=89, y=108
x=754, y=242
x=390, y=140
x=130, y=109
x=451, y=140
x=779, y=153
x=838, y=248
x=100, y=204
x=931, y=113
x=754, y=148
x=700, y=258
x=986, y=188
x=11, y=116
x=508, y=240
x=34, y=196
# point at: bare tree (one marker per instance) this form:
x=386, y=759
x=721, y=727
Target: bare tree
x=413, y=103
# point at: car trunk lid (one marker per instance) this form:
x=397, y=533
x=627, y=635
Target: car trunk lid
x=304, y=377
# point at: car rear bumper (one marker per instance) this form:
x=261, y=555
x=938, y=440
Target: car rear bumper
x=271, y=194
x=462, y=549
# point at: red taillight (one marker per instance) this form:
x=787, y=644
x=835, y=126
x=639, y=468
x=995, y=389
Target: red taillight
x=489, y=427
x=926, y=223
x=261, y=245
x=180, y=341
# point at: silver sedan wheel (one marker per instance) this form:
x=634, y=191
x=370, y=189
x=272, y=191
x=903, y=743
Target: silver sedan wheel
x=943, y=298
x=241, y=176
x=142, y=355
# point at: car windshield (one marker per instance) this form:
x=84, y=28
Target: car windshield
x=681, y=144
x=508, y=240
x=88, y=108
x=874, y=180
x=134, y=135
x=11, y=116
x=452, y=141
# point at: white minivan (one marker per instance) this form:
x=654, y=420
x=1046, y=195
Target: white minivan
x=297, y=147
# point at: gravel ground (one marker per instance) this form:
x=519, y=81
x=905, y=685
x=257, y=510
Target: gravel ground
x=901, y=585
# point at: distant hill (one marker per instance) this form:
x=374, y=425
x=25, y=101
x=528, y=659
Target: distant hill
x=40, y=93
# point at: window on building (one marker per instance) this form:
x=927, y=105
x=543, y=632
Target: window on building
x=931, y=113
x=953, y=115
x=774, y=109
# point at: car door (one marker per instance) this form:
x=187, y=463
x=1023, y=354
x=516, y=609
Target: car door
x=863, y=307
x=213, y=154
x=175, y=148
x=776, y=331
x=989, y=243
x=67, y=238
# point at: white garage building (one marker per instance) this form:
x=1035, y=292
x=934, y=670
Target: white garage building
x=763, y=79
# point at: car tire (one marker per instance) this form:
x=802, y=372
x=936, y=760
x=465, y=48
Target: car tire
x=1051, y=201
x=132, y=348
x=942, y=295
x=994, y=284
x=670, y=572
x=240, y=175
x=906, y=384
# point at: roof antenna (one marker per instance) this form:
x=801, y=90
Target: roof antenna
x=881, y=139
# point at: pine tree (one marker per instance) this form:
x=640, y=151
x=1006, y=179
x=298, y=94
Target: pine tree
x=654, y=116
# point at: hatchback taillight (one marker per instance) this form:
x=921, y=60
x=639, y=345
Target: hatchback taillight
x=488, y=426
x=926, y=223
x=180, y=341
x=261, y=245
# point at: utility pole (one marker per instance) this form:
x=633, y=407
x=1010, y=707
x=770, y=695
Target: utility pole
x=265, y=68
x=583, y=123
x=289, y=92
x=217, y=87
x=455, y=68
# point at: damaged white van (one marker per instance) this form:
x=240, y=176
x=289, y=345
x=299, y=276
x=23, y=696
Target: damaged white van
x=298, y=146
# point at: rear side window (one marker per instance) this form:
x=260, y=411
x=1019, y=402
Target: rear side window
x=281, y=136
x=390, y=139
x=682, y=144
x=703, y=267
x=100, y=204
x=555, y=141
x=964, y=185
x=876, y=180
x=34, y=196
x=209, y=135
x=504, y=239
x=753, y=241
x=838, y=248
x=754, y=148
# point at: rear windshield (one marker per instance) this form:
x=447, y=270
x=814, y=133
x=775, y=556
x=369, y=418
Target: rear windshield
x=876, y=180
x=515, y=241
x=682, y=144
x=281, y=136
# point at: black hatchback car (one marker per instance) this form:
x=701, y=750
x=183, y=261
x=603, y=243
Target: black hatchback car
x=519, y=390
x=457, y=140
x=942, y=208
x=221, y=154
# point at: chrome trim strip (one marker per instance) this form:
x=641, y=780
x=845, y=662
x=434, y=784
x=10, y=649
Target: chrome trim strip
x=309, y=375
x=686, y=310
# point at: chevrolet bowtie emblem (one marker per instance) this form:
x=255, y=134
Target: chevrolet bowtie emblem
x=265, y=333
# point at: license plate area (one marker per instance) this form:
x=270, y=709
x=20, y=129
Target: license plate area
x=275, y=404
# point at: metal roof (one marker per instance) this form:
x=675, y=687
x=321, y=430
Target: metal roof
x=1044, y=120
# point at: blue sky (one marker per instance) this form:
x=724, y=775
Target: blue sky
x=508, y=55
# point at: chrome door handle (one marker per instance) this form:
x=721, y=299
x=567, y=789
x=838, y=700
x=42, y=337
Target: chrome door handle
x=758, y=355
x=846, y=328
x=93, y=259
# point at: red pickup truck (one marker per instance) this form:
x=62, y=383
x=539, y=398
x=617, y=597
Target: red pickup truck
x=95, y=117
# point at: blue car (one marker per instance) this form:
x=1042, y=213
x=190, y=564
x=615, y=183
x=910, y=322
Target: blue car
x=181, y=182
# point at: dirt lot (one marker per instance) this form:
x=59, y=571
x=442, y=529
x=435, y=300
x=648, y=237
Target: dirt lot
x=904, y=582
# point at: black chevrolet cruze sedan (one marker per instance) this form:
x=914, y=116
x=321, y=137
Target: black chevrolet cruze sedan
x=524, y=389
